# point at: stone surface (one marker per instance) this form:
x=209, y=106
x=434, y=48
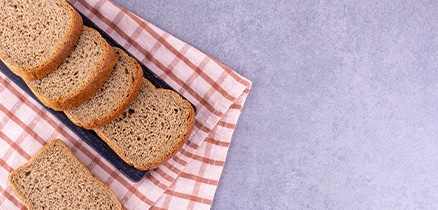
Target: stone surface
x=343, y=113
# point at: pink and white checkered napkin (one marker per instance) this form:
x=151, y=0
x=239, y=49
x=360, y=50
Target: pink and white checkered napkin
x=186, y=181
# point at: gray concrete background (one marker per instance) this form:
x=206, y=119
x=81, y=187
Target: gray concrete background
x=343, y=113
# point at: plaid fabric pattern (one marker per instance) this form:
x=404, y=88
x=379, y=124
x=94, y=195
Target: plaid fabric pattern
x=186, y=181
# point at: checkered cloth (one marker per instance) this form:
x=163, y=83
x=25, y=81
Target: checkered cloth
x=186, y=181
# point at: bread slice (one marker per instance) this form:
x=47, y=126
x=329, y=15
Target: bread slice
x=114, y=97
x=80, y=76
x=36, y=36
x=152, y=129
x=54, y=178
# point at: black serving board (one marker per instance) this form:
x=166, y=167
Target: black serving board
x=90, y=137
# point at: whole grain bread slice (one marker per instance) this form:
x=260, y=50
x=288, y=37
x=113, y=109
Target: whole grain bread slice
x=36, y=36
x=80, y=76
x=152, y=129
x=54, y=178
x=114, y=97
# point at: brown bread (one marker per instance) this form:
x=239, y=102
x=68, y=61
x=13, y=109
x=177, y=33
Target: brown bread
x=80, y=76
x=54, y=178
x=152, y=129
x=114, y=96
x=36, y=36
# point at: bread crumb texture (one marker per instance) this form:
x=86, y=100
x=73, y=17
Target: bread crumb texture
x=152, y=129
x=30, y=25
x=77, y=70
x=119, y=90
x=56, y=179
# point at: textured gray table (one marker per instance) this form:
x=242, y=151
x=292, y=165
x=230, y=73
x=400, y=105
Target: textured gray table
x=343, y=113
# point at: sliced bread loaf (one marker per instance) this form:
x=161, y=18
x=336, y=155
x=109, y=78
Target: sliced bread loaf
x=80, y=76
x=54, y=178
x=114, y=97
x=36, y=36
x=152, y=129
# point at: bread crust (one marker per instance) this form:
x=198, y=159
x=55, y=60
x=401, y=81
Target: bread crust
x=81, y=167
x=133, y=91
x=62, y=52
x=175, y=149
x=88, y=90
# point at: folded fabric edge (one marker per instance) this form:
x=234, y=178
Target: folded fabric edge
x=166, y=174
x=206, y=199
